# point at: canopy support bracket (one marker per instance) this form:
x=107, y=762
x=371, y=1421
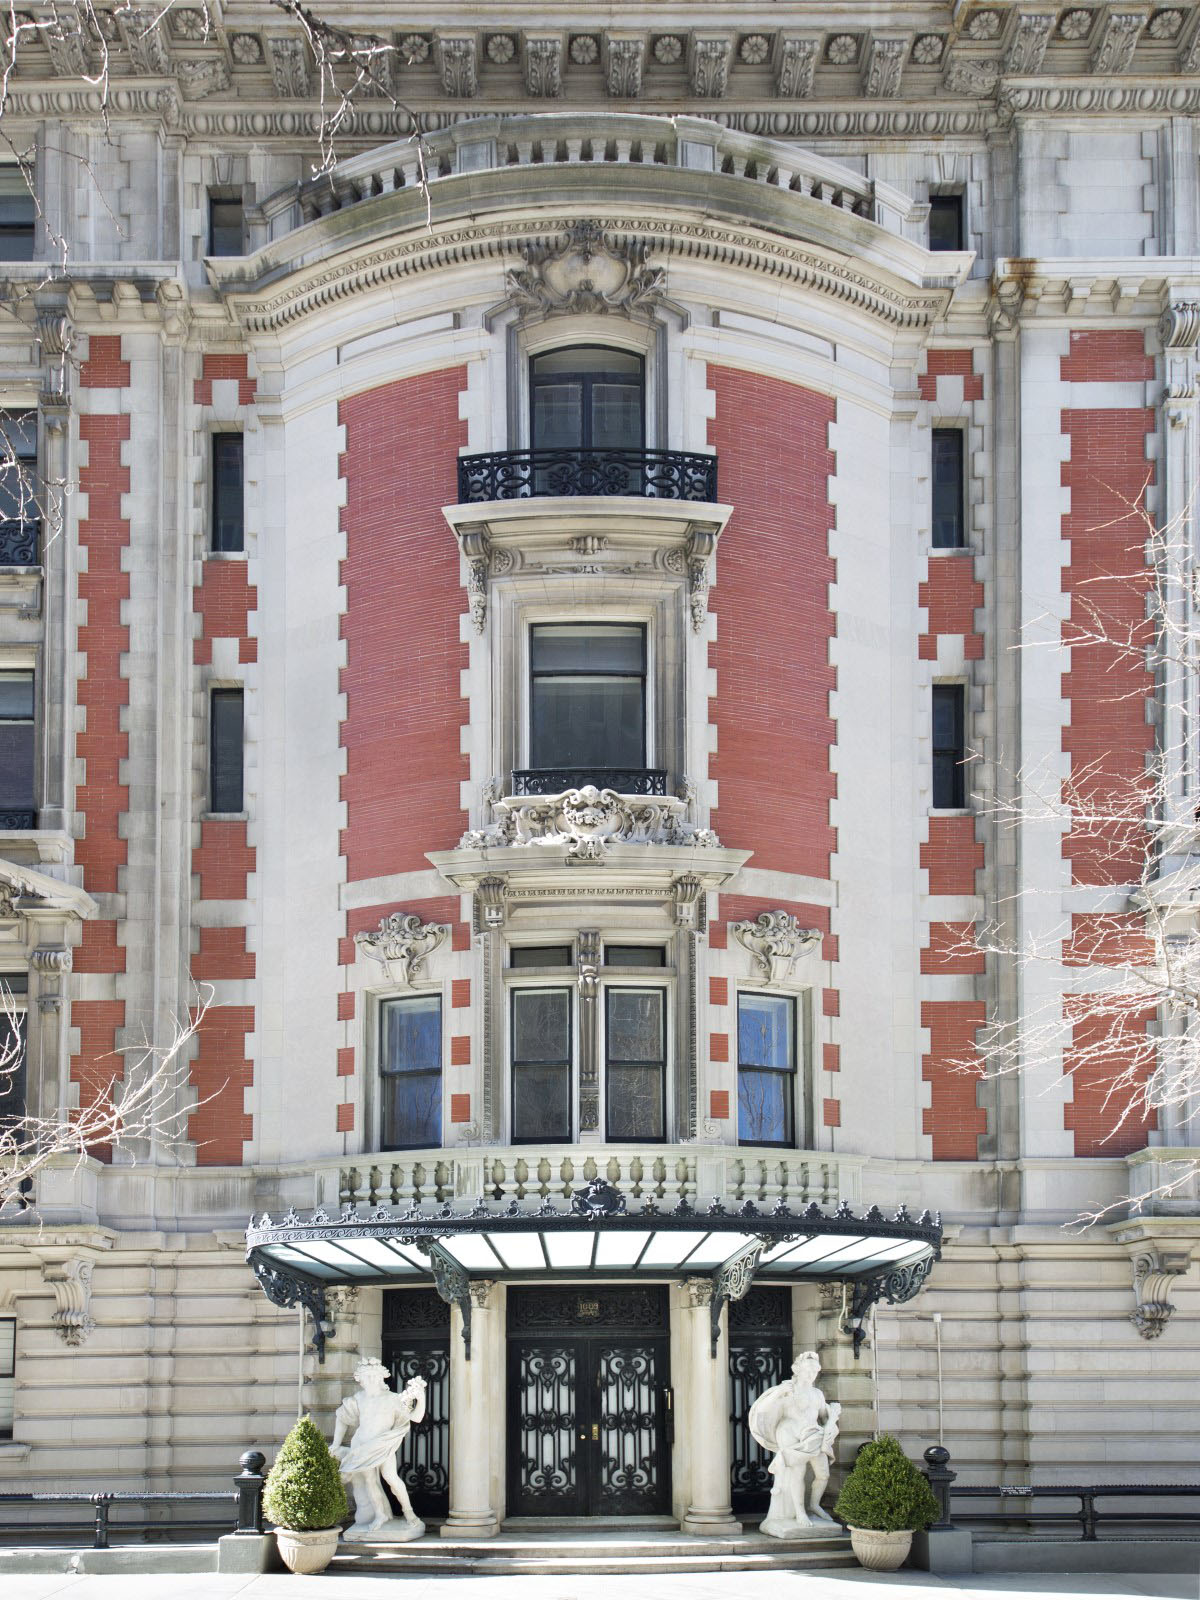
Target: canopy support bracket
x=282, y=1289
x=452, y=1283
x=731, y=1281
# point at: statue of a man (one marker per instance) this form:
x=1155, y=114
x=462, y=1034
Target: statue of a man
x=380, y=1420
x=796, y=1421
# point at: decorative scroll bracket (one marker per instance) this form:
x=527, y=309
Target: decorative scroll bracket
x=1152, y=1274
x=402, y=943
x=776, y=941
x=71, y=1281
x=731, y=1281
x=452, y=1284
x=894, y=1287
x=281, y=1289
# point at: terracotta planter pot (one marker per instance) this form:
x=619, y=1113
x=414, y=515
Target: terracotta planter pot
x=881, y=1552
x=307, y=1552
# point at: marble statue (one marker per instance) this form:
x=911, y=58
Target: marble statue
x=795, y=1420
x=380, y=1420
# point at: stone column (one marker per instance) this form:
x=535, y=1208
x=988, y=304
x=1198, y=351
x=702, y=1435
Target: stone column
x=703, y=1419
x=476, y=1416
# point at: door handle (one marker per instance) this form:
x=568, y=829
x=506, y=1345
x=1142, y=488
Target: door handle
x=595, y=1433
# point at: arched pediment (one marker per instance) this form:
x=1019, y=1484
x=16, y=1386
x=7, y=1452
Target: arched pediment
x=501, y=188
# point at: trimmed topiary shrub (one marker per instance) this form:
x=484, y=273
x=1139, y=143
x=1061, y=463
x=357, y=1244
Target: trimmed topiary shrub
x=304, y=1488
x=884, y=1491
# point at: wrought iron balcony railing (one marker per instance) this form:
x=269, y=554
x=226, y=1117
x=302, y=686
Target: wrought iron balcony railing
x=13, y=820
x=526, y=474
x=555, y=780
x=19, y=542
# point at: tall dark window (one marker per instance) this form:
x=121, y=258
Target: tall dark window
x=17, y=808
x=587, y=396
x=541, y=1065
x=635, y=1062
x=411, y=1071
x=228, y=493
x=18, y=215
x=949, y=749
x=8, y=1352
x=588, y=695
x=949, y=519
x=225, y=735
x=19, y=488
x=946, y=222
x=13, y=1081
x=766, y=1069
x=225, y=233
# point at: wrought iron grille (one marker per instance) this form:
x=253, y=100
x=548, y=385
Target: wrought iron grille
x=527, y=474
x=14, y=821
x=628, y=1398
x=416, y=1344
x=545, y=1396
x=760, y=1354
x=19, y=542
x=624, y=780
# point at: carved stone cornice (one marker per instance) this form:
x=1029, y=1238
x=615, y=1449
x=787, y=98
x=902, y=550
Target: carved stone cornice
x=457, y=64
x=883, y=65
x=708, y=66
x=290, y=70
x=624, y=62
x=1179, y=325
x=52, y=963
x=70, y=1279
x=402, y=943
x=543, y=66
x=589, y=270
x=1027, y=47
x=775, y=941
x=1117, y=42
x=795, y=67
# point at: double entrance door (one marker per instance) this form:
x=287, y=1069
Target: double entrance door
x=589, y=1402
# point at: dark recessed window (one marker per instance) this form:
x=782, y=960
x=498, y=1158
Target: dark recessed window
x=18, y=215
x=766, y=1069
x=541, y=1065
x=541, y=955
x=949, y=520
x=19, y=489
x=635, y=1062
x=587, y=397
x=949, y=749
x=410, y=1065
x=635, y=955
x=8, y=1352
x=14, y=986
x=588, y=695
x=228, y=494
x=17, y=750
x=946, y=222
x=225, y=750
x=225, y=227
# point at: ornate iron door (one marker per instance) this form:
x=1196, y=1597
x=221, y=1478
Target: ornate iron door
x=416, y=1343
x=588, y=1408
x=760, y=1356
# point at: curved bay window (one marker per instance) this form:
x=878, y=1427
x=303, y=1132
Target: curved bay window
x=410, y=1068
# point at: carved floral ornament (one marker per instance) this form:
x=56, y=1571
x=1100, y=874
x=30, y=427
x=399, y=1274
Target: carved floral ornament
x=775, y=941
x=402, y=943
x=587, y=270
x=587, y=821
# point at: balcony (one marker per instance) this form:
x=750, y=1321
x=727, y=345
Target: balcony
x=528, y=781
x=19, y=543
x=16, y=820
x=574, y=473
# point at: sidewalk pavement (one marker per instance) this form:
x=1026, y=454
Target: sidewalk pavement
x=833, y=1585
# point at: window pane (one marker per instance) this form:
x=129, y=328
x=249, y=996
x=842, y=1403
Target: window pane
x=764, y=1107
x=18, y=466
x=12, y=1065
x=8, y=1350
x=589, y=647
x=635, y=1102
x=228, y=496
x=587, y=358
x=634, y=1024
x=635, y=955
x=588, y=722
x=616, y=416
x=765, y=1031
x=412, y=1110
x=557, y=416
x=541, y=1025
x=949, y=752
x=541, y=955
x=948, y=519
x=542, y=1103
x=226, y=750
x=16, y=767
x=411, y=1032
x=17, y=215
x=16, y=695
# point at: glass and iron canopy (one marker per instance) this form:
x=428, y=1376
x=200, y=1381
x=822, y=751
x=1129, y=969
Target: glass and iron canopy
x=598, y=1235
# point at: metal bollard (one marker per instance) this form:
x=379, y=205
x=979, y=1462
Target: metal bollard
x=100, y=1537
x=249, y=1486
x=937, y=1471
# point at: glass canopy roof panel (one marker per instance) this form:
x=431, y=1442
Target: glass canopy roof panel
x=472, y=1251
x=622, y=1249
x=382, y=1253
x=331, y=1253
x=520, y=1252
x=284, y=1256
x=847, y=1257
x=715, y=1249
x=569, y=1250
x=669, y=1249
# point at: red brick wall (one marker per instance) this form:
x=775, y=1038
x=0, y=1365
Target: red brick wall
x=952, y=949
x=951, y=597
x=223, y=600
x=1108, y=1062
x=771, y=654
x=101, y=799
x=952, y=1068
x=230, y=366
x=952, y=856
x=950, y=364
x=403, y=604
x=1113, y=355
x=221, y=1072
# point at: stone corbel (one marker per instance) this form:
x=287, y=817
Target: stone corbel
x=701, y=546
x=402, y=943
x=55, y=339
x=775, y=942
x=1153, y=1269
x=488, y=906
x=477, y=554
x=688, y=896
x=71, y=1283
x=52, y=963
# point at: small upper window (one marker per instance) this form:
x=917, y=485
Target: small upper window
x=18, y=215
x=228, y=494
x=17, y=808
x=226, y=759
x=946, y=222
x=635, y=955
x=225, y=226
x=948, y=497
x=949, y=746
x=541, y=955
x=14, y=989
x=587, y=397
x=766, y=1069
x=410, y=1064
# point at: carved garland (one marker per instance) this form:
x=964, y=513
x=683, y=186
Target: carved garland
x=776, y=941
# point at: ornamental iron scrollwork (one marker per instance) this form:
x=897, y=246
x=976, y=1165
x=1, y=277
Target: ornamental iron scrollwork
x=557, y=780
x=902, y=1284
x=19, y=537
x=282, y=1289
x=732, y=1281
x=452, y=1283
x=579, y=470
x=598, y=1198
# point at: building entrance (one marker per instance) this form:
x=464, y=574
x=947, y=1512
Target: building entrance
x=589, y=1402
x=416, y=1344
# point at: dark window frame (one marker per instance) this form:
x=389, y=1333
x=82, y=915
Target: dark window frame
x=610, y=989
x=227, y=512
x=226, y=694
x=438, y=1071
x=26, y=803
x=569, y=1064
x=218, y=198
x=948, y=488
x=790, y=1072
x=14, y=1084
x=6, y=1425
x=950, y=206
x=589, y=672
x=948, y=778
x=587, y=379
x=23, y=231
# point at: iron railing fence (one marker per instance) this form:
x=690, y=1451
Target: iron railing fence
x=19, y=540
x=529, y=474
x=527, y=781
